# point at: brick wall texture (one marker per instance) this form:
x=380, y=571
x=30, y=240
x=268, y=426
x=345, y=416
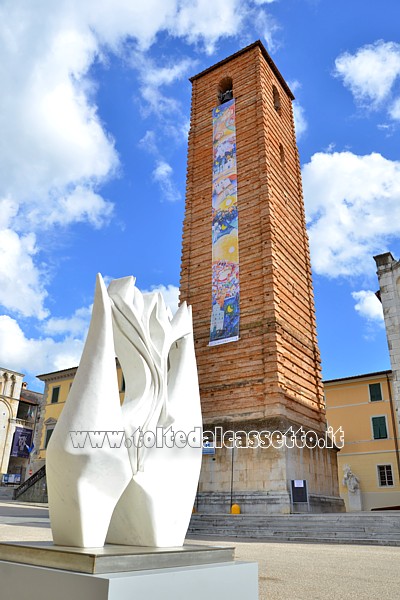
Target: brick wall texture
x=274, y=369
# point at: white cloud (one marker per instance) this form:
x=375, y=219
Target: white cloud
x=52, y=137
x=300, y=123
x=156, y=77
x=197, y=21
x=82, y=204
x=34, y=356
x=353, y=210
x=44, y=355
x=21, y=287
x=77, y=325
x=368, y=305
x=370, y=73
x=149, y=142
x=153, y=78
x=55, y=152
x=53, y=141
x=206, y=22
x=330, y=148
x=8, y=210
x=268, y=28
x=394, y=110
x=115, y=20
x=294, y=85
x=162, y=174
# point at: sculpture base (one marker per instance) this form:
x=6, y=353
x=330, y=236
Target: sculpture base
x=154, y=573
x=112, y=558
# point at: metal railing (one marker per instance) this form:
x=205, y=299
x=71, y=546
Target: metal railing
x=29, y=482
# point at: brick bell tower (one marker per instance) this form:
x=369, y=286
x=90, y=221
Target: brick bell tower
x=246, y=272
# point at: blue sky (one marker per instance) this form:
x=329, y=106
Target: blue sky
x=94, y=114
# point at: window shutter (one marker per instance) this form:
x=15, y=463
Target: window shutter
x=379, y=428
x=375, y=392
x=55, y=394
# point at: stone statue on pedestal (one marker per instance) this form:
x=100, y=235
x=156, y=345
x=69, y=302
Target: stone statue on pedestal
x=351, y=481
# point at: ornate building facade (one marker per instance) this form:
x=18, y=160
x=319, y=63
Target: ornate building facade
x=19, y=413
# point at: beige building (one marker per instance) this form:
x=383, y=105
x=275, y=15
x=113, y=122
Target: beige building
x=364, y=407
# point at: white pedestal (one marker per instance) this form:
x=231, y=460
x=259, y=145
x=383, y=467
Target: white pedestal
x=233, y=580
x=355, y=504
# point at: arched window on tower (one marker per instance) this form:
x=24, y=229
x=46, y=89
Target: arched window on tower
x=225, y=90
x=282, y=154
x=277, y=100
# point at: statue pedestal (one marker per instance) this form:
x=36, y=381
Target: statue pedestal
x=40, y=570
x=354, y=499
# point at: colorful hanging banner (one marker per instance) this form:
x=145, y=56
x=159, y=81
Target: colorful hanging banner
x=225, y=254
x=22, y=441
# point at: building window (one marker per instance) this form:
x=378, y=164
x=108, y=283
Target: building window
x=277, y=100
x=49, y=432
x=375, y=392
x=385, y=475
x=379, y=428
x=122, y=384
x=55, y=394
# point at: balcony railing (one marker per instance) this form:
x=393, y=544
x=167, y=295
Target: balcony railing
x=23, y=423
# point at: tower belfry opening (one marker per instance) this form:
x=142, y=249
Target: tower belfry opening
x=225, y=90
x=246, y=272
x=277, y=99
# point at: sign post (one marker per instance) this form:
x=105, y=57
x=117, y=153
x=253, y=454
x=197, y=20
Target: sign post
x=299, y=493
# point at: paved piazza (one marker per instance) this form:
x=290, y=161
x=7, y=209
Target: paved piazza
x=287, y=571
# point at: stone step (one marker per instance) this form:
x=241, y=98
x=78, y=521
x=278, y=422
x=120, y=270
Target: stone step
x=304, y=519
x=381, y=528
x=350, y=528
x=304, y=534
x=6, y=493
x=366, y=541
x=308, y=523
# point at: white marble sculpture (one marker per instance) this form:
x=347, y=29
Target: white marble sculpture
x=139, y=493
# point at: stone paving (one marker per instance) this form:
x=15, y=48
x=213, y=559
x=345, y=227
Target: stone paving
x=292, y=571
x=287, y=571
